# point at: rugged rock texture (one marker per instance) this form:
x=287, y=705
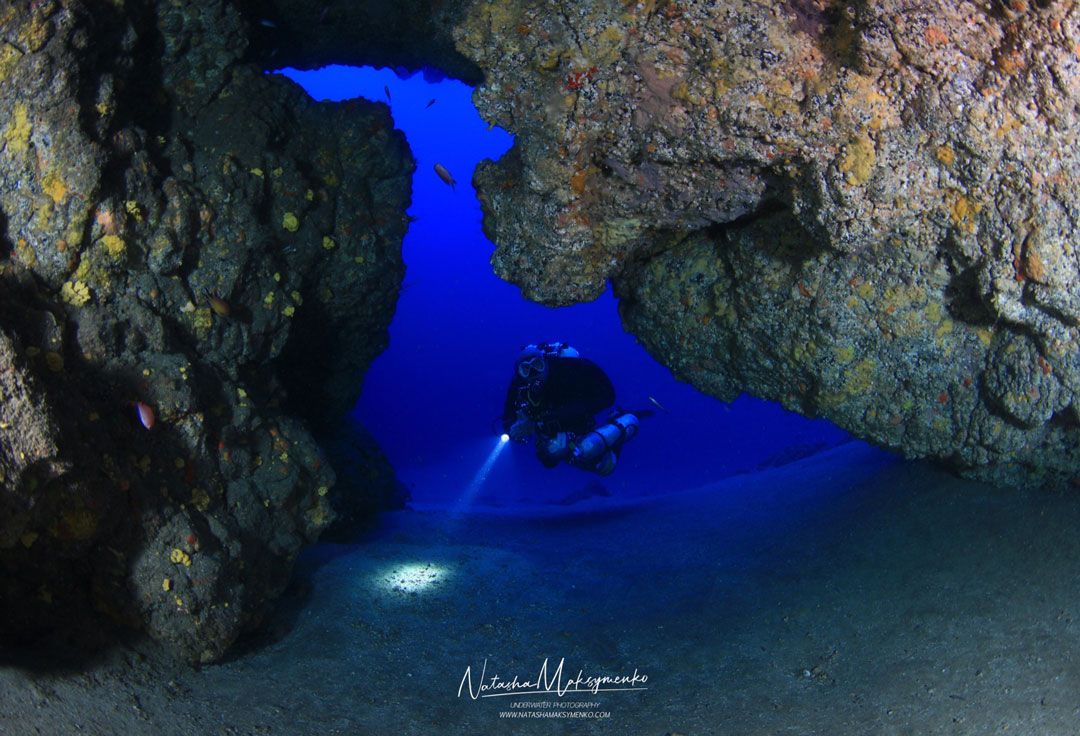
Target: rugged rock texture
x=366, y=482
x=186, y=243
x=864, y=209
x=403, y=34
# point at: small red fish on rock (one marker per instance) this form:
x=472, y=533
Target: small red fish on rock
x=146, y=414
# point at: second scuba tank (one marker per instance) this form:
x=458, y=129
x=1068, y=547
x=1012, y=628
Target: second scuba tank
x=609, y=436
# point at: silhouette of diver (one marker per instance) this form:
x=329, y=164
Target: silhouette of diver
x=555, y=395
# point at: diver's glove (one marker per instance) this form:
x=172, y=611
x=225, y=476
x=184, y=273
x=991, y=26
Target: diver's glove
x=522, y=429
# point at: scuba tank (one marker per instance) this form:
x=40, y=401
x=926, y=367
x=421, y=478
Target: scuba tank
x=596, y=450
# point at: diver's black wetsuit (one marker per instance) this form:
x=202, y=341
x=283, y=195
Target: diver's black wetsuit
x=573, y=391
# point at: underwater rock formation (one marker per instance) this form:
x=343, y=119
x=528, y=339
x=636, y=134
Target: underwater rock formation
x=366, y=482
x=402, y=34
x=865, y=210
x=189, y=248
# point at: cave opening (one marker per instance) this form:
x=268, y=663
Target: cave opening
x=197, y=262
x=433, y=398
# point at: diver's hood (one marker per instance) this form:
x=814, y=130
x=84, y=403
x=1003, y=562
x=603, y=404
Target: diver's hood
x=529, y=352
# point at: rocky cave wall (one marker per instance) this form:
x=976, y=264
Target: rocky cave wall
x=864, y=210
x=197, y=264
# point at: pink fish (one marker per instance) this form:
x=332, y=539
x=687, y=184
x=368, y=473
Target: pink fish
x=146, y=414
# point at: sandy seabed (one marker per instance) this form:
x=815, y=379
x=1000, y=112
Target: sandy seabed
x=848, y=593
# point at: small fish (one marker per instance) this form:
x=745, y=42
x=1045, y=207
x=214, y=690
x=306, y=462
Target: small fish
x=267, y=23
x=219, y=305
x=445, y=175
x=146, y=414
x=387, y=91
x=430, y=103
x=657, y=404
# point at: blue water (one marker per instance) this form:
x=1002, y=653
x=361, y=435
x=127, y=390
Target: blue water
x=433, y=397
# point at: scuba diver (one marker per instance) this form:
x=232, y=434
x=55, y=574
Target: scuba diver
x=555, y=395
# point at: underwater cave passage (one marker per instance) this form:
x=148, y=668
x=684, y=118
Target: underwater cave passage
x=765, y=572
x=433, y=398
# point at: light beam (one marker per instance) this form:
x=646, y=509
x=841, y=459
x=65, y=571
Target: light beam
x=466, y=499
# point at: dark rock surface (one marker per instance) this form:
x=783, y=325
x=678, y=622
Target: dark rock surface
x=190, y=247
x=865, y=210
x=402, y=34
x=366, y=482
